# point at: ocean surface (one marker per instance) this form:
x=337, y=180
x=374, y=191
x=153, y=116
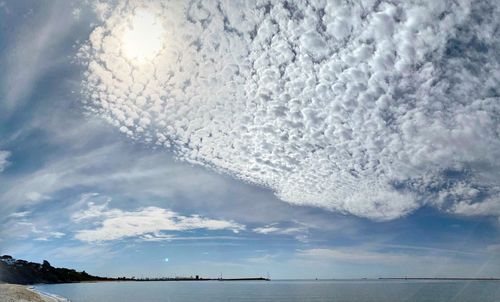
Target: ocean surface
x=289, y=291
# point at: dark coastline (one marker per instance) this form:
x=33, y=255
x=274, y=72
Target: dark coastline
x=15, y=271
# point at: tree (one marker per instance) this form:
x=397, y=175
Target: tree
x=46, y=264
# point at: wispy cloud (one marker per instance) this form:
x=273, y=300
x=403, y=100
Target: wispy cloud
x=416, y=263
x=34, y=51
x=19, y=214
x=20, y=227
x=297, y=230
x=82, y=253
x=158, y=237
x=84, y=168
x=352, y=256
x=4, y=155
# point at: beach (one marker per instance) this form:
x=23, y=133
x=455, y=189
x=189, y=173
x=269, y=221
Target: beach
x=21, y=293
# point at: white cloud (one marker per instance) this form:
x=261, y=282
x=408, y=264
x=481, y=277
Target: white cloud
x=93, y=210
x=364, y=108
x=19, y=214
x=48, y=235
x=146, y=223
x=35, y=197
x=490, y=206
x=267, y=230
x=298, y=230
x=4, y=155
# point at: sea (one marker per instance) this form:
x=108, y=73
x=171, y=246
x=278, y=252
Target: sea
x=279, y=290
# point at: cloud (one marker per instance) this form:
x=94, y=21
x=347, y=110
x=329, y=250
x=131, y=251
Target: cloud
x=19, y=214
x=95, y=159
x=37, y=36
x=85, y=253
x=267, y=230
x=19, y=227
x=353, y=256
x=298, y=230
x=433, y=259
x=105, y=167
x=368, y=108
x=4, y=155
x=490, y=206
x=48, y=235
x=169, y=237
x=145, y=222
x=4, y=7
x=493, y=248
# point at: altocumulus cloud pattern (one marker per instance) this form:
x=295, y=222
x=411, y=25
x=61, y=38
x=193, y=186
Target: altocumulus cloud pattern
x=372, y=108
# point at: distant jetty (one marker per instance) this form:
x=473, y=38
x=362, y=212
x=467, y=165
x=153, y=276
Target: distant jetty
x=197, y=279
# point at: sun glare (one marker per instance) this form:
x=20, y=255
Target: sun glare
x=144, y=38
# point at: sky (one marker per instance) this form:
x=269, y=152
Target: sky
x=299, y=139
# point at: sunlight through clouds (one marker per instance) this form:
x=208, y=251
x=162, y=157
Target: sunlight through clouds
x=144, y=39
x=355, y=107
x=306, y=138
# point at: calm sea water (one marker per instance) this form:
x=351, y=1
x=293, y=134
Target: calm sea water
x=289, y=291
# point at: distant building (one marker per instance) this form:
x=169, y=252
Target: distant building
x=197, y=277
x=7, y=259
x=20, y=262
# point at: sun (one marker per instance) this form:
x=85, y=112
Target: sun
x=144, y=37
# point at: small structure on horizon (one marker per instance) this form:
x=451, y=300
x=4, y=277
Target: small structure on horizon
x=8, y=259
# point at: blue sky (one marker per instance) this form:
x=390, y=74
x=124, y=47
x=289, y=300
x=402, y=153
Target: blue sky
x=209, y=155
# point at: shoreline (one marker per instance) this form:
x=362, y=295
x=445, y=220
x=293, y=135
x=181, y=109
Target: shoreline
x=23, y=293
x=48, y=296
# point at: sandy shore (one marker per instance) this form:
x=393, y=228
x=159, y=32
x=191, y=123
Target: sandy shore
x=20, y=293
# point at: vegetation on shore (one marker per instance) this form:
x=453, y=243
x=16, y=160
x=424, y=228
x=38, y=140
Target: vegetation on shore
x=24, y=272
